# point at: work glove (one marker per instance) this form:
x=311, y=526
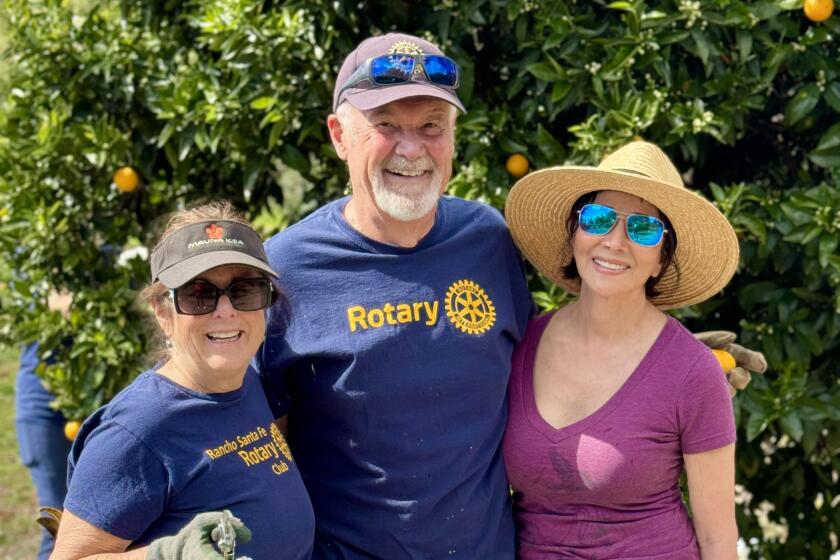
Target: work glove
x=745, y=360
x=49, y=518
x=196, y=540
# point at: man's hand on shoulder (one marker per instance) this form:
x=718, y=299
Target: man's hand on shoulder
x=745, y=360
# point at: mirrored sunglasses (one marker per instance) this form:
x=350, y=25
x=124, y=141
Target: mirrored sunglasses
x=400, y=68
x=199, y=297
x=597, y=219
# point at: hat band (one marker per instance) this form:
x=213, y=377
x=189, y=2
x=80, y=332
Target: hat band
x=633, y=172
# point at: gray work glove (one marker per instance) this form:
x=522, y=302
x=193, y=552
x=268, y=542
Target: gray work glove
x=195, y=540
x=745, y=360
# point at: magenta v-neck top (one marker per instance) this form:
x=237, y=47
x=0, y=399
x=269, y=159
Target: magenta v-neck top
x=607, y=486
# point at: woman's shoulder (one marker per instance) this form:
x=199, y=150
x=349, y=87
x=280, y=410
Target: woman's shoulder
x=688, y=354
x=683, y=339
x=141, y=406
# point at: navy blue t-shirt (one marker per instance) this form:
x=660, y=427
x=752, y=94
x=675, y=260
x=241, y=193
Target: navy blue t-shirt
x=393, y=365
x=158, y=454
x=32, y=400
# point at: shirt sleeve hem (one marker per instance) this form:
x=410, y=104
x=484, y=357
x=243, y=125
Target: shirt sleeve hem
x=710, y=443
x=95, y=520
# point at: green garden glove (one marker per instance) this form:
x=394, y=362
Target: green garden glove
x=196, y=540
x=746, y=360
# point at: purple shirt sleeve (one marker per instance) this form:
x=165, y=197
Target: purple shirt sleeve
x=704, y=410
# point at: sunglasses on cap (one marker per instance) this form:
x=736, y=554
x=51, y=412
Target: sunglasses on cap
x=200, y=297
x=597, y=219
x=401, y=68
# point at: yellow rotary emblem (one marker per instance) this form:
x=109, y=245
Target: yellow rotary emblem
x=469, y=308
x=405, y=47
x=280, y=442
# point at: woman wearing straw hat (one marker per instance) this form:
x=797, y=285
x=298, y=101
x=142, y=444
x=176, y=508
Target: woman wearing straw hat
x=152, y=472
x=610, y=398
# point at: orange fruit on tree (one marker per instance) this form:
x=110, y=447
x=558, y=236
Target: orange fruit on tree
x=517, y=165
x=818, y=10
x=726, y=360
x=71, y=429
x=126, y=179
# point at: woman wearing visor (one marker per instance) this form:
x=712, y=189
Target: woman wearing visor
x=195, y=433
x=610, y=399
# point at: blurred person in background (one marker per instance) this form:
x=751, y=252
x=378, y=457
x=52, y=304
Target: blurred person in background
x=42, y=444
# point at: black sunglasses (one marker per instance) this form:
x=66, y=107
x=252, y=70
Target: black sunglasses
x=200, y=297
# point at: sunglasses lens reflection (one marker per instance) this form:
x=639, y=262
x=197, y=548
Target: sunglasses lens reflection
x=441, y=70
x=596, y=219
x=197, y=298
x=391, y=69
x=644, y=230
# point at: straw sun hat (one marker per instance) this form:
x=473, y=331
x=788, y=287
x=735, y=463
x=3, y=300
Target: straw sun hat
x=707, y=248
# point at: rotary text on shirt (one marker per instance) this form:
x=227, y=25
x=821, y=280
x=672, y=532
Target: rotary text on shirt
x=360, y=318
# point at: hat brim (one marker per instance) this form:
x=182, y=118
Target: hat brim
x=707, y=248
x=179, y=274
x=371, y=98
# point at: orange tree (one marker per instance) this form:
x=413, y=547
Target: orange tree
x=208, y=99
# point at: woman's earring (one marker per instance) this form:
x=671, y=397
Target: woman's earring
x=168, y=343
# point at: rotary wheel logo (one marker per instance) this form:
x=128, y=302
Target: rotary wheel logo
x=469, y=308
x=405, y=47
x=280, y=441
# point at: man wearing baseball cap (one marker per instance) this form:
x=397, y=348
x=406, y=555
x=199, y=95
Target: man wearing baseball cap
x=404, y=307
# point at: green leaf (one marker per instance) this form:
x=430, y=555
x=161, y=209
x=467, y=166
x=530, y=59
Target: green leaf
x=263, y=102
x=702, y=43
x=549, y=146
x=293, y=157
x=810, y=437
x=831, y=138
x=758, y=293
x=792, y=426
x=832, y=95
x=559, y=91
x=755, y=425
x=801, y=104
x=512, y=146
x=166, y=133
x=827, y=247
x=544, y=71
x=745, y=43
x=753, y=224
x=826, y=158
x=620, y=5
x=810, y=336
